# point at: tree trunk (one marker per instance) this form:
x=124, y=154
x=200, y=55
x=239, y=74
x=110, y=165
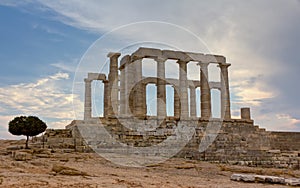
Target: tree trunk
x=26, y=146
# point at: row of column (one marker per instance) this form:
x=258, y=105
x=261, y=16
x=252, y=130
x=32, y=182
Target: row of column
x=133, y=91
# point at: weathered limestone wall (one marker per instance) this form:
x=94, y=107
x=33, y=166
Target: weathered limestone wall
x=285, y=141
x=237, y=141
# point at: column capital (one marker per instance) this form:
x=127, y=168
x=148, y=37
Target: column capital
x=192, y=87
x=113, y=54
x=203, y=64
x=160, y=59
x=86, y=80
x=182, y=62
x=224, y=65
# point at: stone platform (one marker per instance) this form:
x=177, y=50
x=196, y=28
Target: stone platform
x=235, y=142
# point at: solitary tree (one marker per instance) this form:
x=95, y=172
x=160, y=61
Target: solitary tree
x=27, y=126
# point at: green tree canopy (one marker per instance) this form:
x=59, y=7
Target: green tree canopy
x=27, y=126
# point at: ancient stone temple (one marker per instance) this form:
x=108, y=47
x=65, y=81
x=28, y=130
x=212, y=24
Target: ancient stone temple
x=127, y=129
x=125, y=94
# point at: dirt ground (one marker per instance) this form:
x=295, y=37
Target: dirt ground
x=60, y=169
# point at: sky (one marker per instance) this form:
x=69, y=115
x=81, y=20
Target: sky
x=47, y=47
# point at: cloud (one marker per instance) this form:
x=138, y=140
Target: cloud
x=259, y=38
x=49, y=98
x=66, y=66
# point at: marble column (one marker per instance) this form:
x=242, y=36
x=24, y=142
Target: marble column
x=205, y=91
x=138, y=90
x=225, y=95
x=245, y=113
x=122, y=92
x=113, y=83
x=130, y=81
x=88, y=99
x=161, y=88
x=193, y=112
x=107, y=100
x=176, y=103
x=183, y=89
x=144, y=99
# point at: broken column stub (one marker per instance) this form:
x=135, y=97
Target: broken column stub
x=245, y=113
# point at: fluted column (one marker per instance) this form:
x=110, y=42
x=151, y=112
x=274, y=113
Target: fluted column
x=205, y=91
x=138, y=91
x=161, y=88
x=130, y=81
x=88, y=99
x=193, y=101
x=225, y=95
x=144, y=99
x=183, y=93
x=122, y=92
x=176, y=103
x=113, y=83
x=107, y=100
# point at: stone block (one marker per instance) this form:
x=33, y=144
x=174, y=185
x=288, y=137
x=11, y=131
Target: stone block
x=146, y=53
x=21, y=156
x=292, y=181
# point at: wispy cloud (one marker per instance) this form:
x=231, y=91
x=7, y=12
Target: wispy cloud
x=253, y=35
x=47, y=98
x=66, y=66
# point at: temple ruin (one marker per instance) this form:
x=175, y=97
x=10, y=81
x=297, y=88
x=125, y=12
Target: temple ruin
x=125, y=119
x=128, y=97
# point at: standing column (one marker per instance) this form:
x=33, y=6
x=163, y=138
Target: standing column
x=193, y=101
x=88, y=99
x=130, y=80
x=176, y=103
x=183, y=93
x=144, y=99
x=225, y=95
x=205, y=91
x=113, y=78
x=161, y=88
x=122, y=92
x=106, y=98
x=138, y=91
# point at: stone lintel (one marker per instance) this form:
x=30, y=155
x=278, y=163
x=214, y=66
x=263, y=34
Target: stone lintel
x=215, y=85
x=96, y=76
x=176, y=55
x=112, y=54
x=143, y=52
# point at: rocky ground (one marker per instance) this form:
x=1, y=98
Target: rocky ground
x=54, y=168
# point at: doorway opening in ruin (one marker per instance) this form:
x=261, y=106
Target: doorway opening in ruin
x=215, y=103
x=214, y=73
x=151, y=100
x=149, y=67
x=198, y=102
x=170, y=100
x=97, y=98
